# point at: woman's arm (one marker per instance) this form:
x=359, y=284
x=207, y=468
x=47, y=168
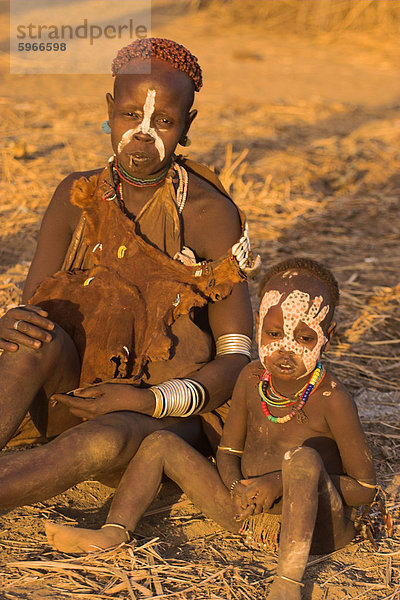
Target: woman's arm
x=29, y=326
x=58, y=224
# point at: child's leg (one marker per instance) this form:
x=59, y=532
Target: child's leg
x=161, y=452
x=311, y=507
x=52, y=367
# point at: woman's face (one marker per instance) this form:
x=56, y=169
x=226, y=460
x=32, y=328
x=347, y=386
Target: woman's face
x=148, y=116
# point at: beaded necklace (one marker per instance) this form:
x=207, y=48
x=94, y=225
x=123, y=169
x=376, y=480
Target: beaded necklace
x=137, y=181
x=274, y=398
x=316, y=377
x=181, y=193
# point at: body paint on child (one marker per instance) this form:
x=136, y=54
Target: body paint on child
x=145, y=127
x=295, y=308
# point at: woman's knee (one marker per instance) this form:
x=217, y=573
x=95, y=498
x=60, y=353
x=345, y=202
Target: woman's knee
x=301, y=460
x=49, y=353
x=101, y=441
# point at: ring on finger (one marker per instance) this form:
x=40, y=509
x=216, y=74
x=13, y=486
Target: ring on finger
x=15, y=326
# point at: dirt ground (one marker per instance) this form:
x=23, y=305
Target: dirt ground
x=305, y=133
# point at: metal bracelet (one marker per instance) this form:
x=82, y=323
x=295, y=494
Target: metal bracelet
x=233, y=343
x=178, y=398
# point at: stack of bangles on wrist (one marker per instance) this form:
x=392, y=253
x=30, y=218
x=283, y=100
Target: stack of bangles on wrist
x=233, y=343
x=178, y=398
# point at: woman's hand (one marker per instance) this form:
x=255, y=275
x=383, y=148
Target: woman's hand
x=90, y=402
x=257, y=495
x=24, y=326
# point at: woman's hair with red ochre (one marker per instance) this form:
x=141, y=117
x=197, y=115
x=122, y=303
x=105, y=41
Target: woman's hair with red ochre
x=173, y=53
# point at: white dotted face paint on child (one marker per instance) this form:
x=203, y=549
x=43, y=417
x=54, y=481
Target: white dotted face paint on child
x=145, y=127
x=270, y=298
x=295, y=308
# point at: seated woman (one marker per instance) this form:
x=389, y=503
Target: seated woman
x=137, y=288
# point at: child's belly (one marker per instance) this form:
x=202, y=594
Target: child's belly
x=267, y=443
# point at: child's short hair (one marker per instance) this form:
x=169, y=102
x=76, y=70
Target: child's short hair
x=306, y=264
x=173, y=53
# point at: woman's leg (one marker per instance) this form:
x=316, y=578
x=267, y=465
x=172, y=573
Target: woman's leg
x=161, y=452
x=312, y=508
x=96, y=449
x=53, y=367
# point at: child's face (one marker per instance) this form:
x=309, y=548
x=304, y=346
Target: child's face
x=149, y=115
x=290, y=335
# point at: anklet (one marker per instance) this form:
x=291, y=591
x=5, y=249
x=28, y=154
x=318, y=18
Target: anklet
x=367, y=485
x=291, y=580
x=230, y=450
x=128, y=532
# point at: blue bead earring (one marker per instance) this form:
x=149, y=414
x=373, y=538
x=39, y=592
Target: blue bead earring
x=105, y=127
x=186, y=141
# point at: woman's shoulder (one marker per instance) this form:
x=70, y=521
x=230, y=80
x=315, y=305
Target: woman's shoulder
x=66, y=184
x=60, y=206
x=212, y=220
x=204, y=192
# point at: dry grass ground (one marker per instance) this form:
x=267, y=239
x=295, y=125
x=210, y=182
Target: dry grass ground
x=304, y=132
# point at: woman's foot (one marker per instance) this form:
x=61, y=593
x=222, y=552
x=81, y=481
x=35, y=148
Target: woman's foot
x=77, y=540
x=282, y=589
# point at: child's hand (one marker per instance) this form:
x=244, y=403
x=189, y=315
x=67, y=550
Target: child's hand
x=239, y=496
x=260, y=493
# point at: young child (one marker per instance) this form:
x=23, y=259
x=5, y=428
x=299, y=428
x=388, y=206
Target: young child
x=137, y=285
x=292, y=450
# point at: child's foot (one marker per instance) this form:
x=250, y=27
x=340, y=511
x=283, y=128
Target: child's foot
x=284, y=590
x=78, y=540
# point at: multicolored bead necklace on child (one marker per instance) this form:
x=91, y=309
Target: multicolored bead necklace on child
x=277, y=400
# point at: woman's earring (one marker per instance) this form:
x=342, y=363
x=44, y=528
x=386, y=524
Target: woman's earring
x=105, y=127
x=186, y=141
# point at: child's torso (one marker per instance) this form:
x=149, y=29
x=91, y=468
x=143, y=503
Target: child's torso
x=267, y=442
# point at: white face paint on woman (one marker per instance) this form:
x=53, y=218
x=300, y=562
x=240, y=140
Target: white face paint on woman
x=295, y=309
x=145, y=127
